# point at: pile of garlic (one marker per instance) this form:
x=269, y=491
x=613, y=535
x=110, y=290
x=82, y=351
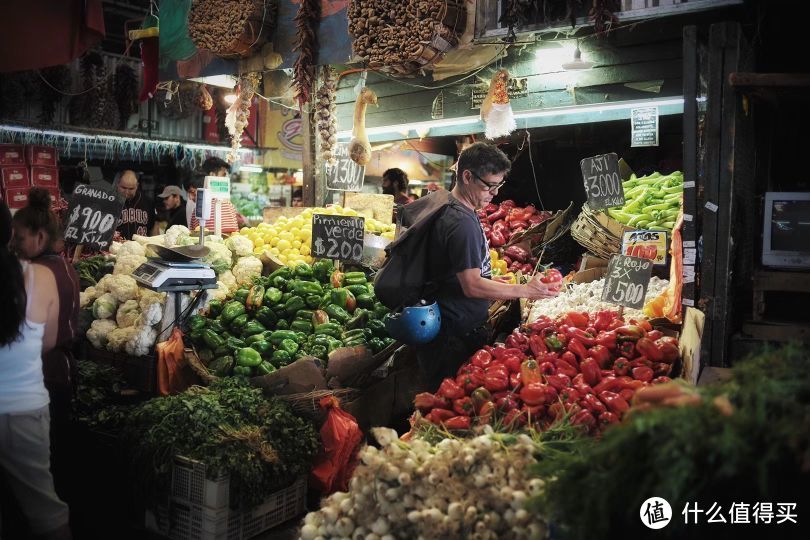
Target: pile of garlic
x=459, y=488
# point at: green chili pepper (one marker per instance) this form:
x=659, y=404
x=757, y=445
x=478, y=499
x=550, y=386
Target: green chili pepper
x=235, y=343
x=334, y=343
x=196, y=322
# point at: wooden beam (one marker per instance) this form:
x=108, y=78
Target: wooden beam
x=757, y=80
x=777, y=332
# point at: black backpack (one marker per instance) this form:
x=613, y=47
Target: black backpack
x=405, y=277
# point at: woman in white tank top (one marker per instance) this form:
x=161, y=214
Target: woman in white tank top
x=28, y=324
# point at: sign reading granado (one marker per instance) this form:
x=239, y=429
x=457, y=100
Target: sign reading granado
x=92, y=216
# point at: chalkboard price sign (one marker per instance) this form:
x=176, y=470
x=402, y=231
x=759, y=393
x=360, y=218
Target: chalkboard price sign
x=603, y=185
x=338, y=237
x=344, y=174
x=627, y=280
x=92, y=216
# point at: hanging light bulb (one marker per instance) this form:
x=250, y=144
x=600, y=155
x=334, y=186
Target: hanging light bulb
x=577, y=63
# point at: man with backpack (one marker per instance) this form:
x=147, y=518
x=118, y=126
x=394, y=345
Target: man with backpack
x=444, y=256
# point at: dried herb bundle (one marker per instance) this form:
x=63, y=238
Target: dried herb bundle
x=306, y=43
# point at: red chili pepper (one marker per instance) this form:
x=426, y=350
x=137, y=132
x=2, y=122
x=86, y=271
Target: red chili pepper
x=621, y=366
x=669, y=352
x=579, y=383
x=514, y=419
x=424, y=401
x=576, y=319
x=608, y=383
x=584, y=419
x=601, y=354
x=484, y=415
x=569, y=357
x=614, y=402
x=630, y=331
x=607, y=418
x=655, y=335
x=575, y=346
x=464, y=406
x=533, y=394
x=627, y=394
x=590, y=370
x=437, y=416
x=588, y=340
x=450, y=389
x=643, y=373
x=565, y=368
x=458, y=422
x=592, y=403
x=506, y=403
x=537, y=345
x=481, y=358
x=648, y=348
x=569, y=394
x=558, y=381
x=607, y=340
x=547, y=368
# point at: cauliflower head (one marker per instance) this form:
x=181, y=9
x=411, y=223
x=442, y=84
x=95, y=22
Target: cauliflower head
x=127, y=313
x=247, y=268
x=241, y=246
x=126, y=264
x=99, y=331
x=87, y=296
x=118, y=338
x=105, y=306
x=176, y=235
x=219, y=257
x=227, y=279
x=151, y=305
x=141, y=341
x=123, y=287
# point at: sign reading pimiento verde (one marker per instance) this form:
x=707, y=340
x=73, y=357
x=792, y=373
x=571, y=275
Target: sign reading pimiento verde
x=92, y=216
x=627, y=280
x=603, y=185
x=338, y=237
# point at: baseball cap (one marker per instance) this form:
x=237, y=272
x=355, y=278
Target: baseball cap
x=170, y=190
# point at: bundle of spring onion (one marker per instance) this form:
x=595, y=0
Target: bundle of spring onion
x=652, y=202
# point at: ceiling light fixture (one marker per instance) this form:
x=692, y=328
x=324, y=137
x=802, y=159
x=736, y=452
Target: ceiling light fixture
x=577, y=64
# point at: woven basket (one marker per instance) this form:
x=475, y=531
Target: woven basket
x=598, y=232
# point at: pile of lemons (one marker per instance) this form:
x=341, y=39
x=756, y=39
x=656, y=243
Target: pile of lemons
x=289, y=238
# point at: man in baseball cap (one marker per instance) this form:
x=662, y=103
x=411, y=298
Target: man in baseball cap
x=175, y=206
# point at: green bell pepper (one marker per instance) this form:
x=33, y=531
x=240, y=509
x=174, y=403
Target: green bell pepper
x=221, y=366
x=378, y=327
x=294, y=304
x=380, y=311
x=376, y=345
x=359, y=319
x=355, y=341
x=253, y=327
x=196, y=322
x=284, y=271
x=262, y=347
x=334, y=343
x=266, y=316
x=239, y=323
x=215, y=307
x=340, y=297
x=305, y=288
x=224, y=350
x=388, y=341
x=319, y=351
x=313, y=301
x=303, y=270
x=272, y=296
x=265, y=368
x=322, y=269
x=337, y=313
x=280, y=282
x=357, y=290
x=212, y=339
x=354, y=278
x=280, y=335
x=368, y=334
x=255, y=297
x=304, y=315
x=243, y=371
x=196, y=335
x=215, y=325
x=285, y=296
x=330, y=329
x=282, y=324
x=235, y=344
x=281, y=358
x=206, y=355
x=232, y=310
x=365, y=301
x=248, y=357
x=351, y=334
x=301, y=325
x=289, y=345
x=250, y=340
x=241, y=295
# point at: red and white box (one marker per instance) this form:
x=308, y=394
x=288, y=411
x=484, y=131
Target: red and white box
x=14, y=177
x=45, y=177
x=11, y=154
x=41, y=156
x=16, y=198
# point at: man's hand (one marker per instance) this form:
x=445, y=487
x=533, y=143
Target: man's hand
x=536, y=289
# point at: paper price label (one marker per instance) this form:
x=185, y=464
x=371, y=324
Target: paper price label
x=650, y=245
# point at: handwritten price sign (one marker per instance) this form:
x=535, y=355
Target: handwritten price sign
x=603, y=185
x=627, y=280
x=344, y=174
x=92, y=216
x=338, y=237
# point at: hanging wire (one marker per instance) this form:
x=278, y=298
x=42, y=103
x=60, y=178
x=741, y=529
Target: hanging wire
x=534, y=173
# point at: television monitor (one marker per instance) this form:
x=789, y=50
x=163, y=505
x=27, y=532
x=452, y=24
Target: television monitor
x=786, y=230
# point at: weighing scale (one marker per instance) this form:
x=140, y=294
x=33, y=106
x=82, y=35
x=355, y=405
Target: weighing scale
x=168, y=276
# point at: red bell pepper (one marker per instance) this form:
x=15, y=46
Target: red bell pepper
x=601, y=354
x=576, y=319
x=621, y=366
x=496, y=239
x=585, y=419
x=480, y=396
x=537, y=345
x=575, y=346
x=655, y=335
x=644, y=324
x=458, y=422
x=533, y=412
x=588, y=340
x=643, y=373
x=500, y=213
x=470, y=381
x=497, y=368
x=490, y=208
x=535, y=219
x=648, y=348
x=424, y=401
x=661, y=380
x=569, y=357
x=608, y=383
x=627, y=349
x=450, y=389
x=569, y=394
x=558, y=381
x=437, y=416
x=630, y=331
x=565, y=368
x=629, y=382
x=512, y=363
x=607, y=373
x=592, y=403
x=627, y=394
x=516, y=340
x=661, y=369
x=515, y=380
x=517, y=253
x=496, y=382
x=579, y=383
x=607, y=340
x=641, y=361
x=481, y=358
x=551, y=393
x=539, y=325
x=484, y=413
x=547, y=368
x=514, y=419
x=464, y=406
x=558, y=409
x=603, y=320
x=607, y=418
x=508, y=203
x=668, y=339
x=614, y=402
x=590, y=371
x=530, y=371
x=511, y=351
x=669, y=352
x=506, y=403
x=533, y=394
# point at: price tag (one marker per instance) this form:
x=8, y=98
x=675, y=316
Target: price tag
x=650, y=245
x=338, y=237
x=603, y=185
x=344, y=174
x=644, y=126
x=626, y=281
x=92, y=216
x=219, y=187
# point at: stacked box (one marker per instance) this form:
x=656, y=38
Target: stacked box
x=11, y=154
x=41, y=156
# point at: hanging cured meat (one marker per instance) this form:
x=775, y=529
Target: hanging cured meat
x=360, y=148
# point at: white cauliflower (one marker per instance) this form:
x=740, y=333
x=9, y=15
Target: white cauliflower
x=87, y=296
x=219, y=257
x=241, y=246
x=127, y=248
x=105, y=306
x=123, y=287
x=176, y=235
x=127, y=314
x=103, y=284
x=228, y=279
x=126, y=264
x=151, y=305
x=141, y=341
x=247, y=268
x=146, y=240
x=99, y=331
x=118, y=338
x=213, y=238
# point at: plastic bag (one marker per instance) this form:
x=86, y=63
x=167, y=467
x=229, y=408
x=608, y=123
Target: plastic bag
x=174, y=373
x=340, y=436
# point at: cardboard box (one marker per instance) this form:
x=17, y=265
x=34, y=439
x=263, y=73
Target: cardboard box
x=14, y=177
x=592, y=261
x=592, y=274
x=16, y=197
x=45, y=177
x=12, y=154
x=42, y=156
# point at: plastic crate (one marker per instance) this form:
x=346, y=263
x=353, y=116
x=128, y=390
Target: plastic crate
x=190, y=484
x=190, y=521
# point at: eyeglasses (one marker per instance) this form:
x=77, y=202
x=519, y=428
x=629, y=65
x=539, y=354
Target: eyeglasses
x=492, y=188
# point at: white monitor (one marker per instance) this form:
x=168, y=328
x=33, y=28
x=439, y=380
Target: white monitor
x=786, y=230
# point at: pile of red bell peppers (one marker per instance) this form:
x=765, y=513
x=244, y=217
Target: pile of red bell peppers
x=501, y=222
x=587, y=366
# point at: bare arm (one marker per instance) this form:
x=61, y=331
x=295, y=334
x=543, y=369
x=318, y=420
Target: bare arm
x=44, y=304
x=475, y=286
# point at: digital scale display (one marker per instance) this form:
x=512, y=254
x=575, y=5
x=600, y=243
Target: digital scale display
x=169, y=276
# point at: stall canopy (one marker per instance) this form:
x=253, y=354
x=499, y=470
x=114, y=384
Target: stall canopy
x=42, y=33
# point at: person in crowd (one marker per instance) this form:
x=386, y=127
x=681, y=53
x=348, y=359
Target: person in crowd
x=193, y=184
x=395, y=182
x=462, y=268
x=36, y=233
x=138, y=214
x=175, y=206
x=230, y=219
x=29, y=326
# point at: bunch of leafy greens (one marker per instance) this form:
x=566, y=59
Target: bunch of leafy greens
x=761, y=453
x=96, y=403
x=231, y=428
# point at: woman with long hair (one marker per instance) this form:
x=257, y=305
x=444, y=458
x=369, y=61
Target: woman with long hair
x=28, y=326
x=36, y=231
